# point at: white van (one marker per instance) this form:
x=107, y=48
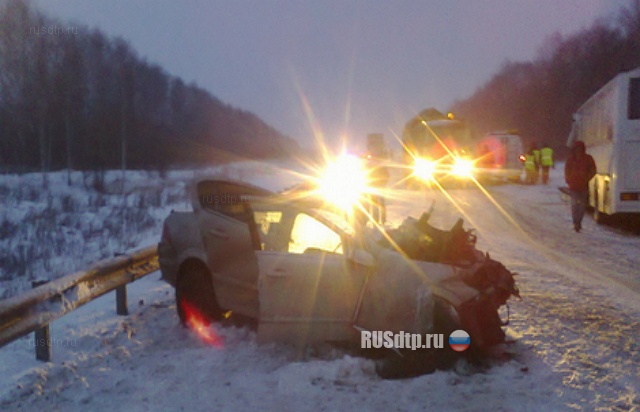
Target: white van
x=500, y=155
x=609, y=125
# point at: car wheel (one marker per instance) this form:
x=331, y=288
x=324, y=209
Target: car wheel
x=410, y=364
x=195, y=295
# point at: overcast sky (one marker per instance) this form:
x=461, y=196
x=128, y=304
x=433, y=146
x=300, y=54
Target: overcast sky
x=343, y=67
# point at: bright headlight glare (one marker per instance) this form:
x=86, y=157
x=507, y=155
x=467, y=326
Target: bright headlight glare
x=424, y=169
x=462, y=167
x=343, y=182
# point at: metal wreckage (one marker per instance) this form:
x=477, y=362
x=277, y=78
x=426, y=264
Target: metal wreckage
x=467, y=287
x=304, y=274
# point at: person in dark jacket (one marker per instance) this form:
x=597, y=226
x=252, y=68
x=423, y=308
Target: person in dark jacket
x=578, y=171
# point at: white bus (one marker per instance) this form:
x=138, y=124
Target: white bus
x=609, y=125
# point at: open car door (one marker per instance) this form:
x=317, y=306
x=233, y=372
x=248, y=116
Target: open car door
x=311, y=291
x=230, y=238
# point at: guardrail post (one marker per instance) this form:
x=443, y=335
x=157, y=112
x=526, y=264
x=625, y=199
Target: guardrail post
x=121, y=300
x=42, y=337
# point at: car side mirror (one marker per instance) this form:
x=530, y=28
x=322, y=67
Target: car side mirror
x=362, y=257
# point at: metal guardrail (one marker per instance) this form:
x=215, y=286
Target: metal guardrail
x=32, y=311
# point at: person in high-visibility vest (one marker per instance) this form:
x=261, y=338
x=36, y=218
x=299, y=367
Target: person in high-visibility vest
x=546, y=162
x=531, y=165
x=536, y=158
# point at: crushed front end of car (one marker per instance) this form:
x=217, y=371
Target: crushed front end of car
x=464, y=289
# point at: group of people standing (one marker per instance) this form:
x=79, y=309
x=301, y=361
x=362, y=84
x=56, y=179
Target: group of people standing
x=536, y=161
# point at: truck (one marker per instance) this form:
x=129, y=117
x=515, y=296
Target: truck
x=437, y=147
x=609, y=125
x=376, y=145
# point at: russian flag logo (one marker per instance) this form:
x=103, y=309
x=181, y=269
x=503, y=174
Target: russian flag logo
x=459, y=340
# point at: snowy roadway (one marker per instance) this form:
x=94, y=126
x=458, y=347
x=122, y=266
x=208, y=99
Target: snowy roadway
x=575, y=335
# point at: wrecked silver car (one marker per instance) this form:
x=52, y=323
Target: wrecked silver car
x=306, y=275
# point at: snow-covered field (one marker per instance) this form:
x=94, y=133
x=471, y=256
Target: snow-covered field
x=49, y=228
x=575, y=335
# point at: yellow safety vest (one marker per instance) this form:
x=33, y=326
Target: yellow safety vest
x=546, y=156
x=530, y=162
x=536, y=154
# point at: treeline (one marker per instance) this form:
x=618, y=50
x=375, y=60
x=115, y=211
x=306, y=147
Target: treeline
x=539, y=97
x=70, y=97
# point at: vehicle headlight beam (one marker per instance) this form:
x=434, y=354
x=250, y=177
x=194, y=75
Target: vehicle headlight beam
x=462, y=167
x=424, y=169
x=343, y=182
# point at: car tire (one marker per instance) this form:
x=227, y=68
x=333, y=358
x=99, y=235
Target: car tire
x=409, y=365
x=194, y=291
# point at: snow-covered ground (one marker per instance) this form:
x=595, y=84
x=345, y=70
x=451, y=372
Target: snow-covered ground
x=575, y=335
x=49, y=228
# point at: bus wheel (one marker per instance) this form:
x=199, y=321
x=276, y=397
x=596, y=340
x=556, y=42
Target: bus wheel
x=598, y=216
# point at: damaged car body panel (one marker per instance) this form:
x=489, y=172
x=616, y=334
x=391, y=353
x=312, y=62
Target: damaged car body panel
x=306, y=275
x=400, y=296
x=309, y=297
